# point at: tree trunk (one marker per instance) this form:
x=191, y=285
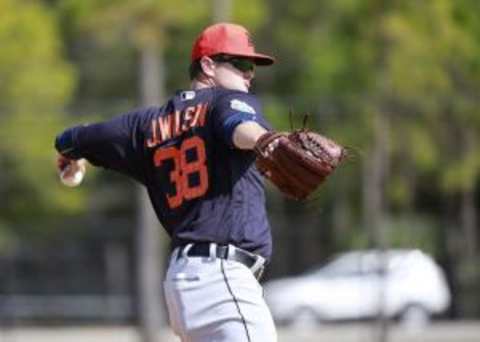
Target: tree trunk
x=468, y=213
x=375, y=173
x=149, y=257
x=469, y=223
x=341, y=213
x=222, y=10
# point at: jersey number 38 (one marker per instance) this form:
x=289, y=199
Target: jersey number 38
x=183, y=168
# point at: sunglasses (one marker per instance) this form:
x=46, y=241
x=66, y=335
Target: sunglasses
x=242, y=64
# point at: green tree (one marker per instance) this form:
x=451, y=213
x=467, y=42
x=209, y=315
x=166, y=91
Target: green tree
x=401, y=78
x=35, y=85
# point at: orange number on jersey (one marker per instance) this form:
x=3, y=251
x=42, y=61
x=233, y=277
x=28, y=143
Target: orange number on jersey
x=162, y=154
x=194, y=166
x=182, y=169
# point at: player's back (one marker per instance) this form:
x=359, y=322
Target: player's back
x=201, y=186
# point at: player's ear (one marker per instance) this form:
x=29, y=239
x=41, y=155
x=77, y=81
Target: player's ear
x=208, y=66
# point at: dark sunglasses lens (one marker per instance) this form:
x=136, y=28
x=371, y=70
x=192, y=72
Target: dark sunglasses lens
x=243, y=64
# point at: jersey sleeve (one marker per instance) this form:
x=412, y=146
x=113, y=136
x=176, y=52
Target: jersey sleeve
x=233, y=109
x=116, y=144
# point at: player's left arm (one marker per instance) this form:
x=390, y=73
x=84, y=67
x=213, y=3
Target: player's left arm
x=296, y=162
x=246, y=135
x=239, y=120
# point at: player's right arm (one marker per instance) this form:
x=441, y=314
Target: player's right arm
x=67, y=168
x=112, y=145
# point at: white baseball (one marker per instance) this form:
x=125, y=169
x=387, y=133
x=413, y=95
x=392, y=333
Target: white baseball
x=74, y=179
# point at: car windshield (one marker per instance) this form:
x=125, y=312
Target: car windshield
x=345, y=265
x=352, y=263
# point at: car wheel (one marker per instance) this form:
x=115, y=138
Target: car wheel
x=415, y=316
x=304, y=318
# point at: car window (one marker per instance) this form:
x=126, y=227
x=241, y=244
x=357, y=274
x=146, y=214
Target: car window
x=390, y=262
x=372, y=263
x=355, y=264
x=345, y=265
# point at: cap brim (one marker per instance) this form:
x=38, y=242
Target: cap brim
x=258, y=58
x=263, y=60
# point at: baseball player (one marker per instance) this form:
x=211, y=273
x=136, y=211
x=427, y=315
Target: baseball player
x=195, y=155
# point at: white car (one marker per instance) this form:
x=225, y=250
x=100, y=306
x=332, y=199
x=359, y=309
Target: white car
x=407, y=284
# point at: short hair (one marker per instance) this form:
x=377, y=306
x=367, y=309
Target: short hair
x=195, y=69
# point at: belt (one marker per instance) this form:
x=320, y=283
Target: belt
x=254, y=262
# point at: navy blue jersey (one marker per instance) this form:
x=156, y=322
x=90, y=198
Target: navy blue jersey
x=201, y=187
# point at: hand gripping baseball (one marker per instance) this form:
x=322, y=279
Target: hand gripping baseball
x=297, y=162
x=71, y=172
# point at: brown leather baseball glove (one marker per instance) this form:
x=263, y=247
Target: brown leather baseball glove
x=297, y=162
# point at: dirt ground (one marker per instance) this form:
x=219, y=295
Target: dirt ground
x=437, y=332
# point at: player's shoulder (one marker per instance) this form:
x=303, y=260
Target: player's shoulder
x=139, y=118
x=235, y=100
x=142, y=114
x=224, y=93
x=143, y=111
x=211, y=94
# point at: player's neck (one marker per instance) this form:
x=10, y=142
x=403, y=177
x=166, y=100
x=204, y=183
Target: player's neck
x=202, y=84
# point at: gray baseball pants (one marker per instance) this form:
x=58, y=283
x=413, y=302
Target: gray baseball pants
x=212, y=300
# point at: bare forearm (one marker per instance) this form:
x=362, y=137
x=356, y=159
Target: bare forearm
x=246, y=135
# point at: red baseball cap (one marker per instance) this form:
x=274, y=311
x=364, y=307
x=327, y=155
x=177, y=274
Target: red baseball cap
x=229, y=39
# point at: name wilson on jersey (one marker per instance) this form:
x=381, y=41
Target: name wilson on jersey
x=175, y=124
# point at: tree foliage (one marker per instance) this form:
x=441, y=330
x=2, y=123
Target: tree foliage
x=36, y=84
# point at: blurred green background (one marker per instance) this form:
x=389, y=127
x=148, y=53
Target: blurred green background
x=395, y=81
